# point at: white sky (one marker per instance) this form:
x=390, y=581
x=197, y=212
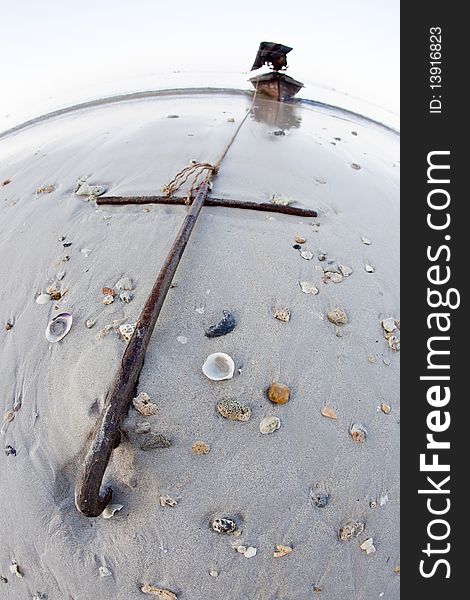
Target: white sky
x=54, y=49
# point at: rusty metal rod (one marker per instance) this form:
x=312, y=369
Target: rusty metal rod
x=89, y=498
x=173, y=200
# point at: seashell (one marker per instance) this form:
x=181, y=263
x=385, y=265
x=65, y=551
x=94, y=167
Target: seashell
x=108, y=299
x=269, y=425
x=167, y=501
x=299, y=239
x=125, y=297
x=107, y=291
x=278, y=393
x=333, y=277
x=85, y=189
x=369, y=268
x=226, y=325
x=218, y=366
x=124, y=284
x=144, y=406
x=337, y=317
x=230, y=120
x=366, y=241
x=306, y=254
x=358, y=432
x=8, y=416
x=59, y=327
x=86, y=252
x=43, y=299
x=308, y=288
x=281, y=551
x=322, y=255
x=350, y=530
x=104, y=572
x=282, y=314
x=127, y=330
x=223, y=525
x=154, y=441
x=213, y=572
x=355, y=166
x=345, y=270
x=385, y=408
x=331, y=267
x=8, y=325
x=90, y=323
x=367, y=544
x=111, y=509
x=60, y=275
x=234, y=410
x=160, y=592
x=200, y=448
x=328, y=412
x=46, y=189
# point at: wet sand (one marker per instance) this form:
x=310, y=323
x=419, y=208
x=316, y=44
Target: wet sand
x=236, y=260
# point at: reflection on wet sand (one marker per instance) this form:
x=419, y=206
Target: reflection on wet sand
x=282, y=115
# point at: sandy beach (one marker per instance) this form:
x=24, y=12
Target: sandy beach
x=344, y=167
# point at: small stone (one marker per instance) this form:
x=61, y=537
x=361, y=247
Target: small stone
x=107, y=291
x=297, y=247
x=333, y=277
x=269, y=425
x=40, y=596
x=350, y=530
x=182, y=339
x=6, y=181
x=67, y=244
x=306, y=254
x=383, y=500
x=328, y=412
x=141, y=428
x=373, y=504
x=213, y=572
x=281, y=551
x=90, y=323
x=124, y=284
x=111, y=509
x=223, y=525
x=108, y=299
x=250, y=552
x=371, y=359
x=386, y=362
x=154, y=441
x=369, y=268
x=353, y=132
x=104, y=572
x=167, y=501
x=200, y=448
x=278, y=393
x=144, y=406
x=86, y=252
x=10, y=451
x=15, y=570
x=8, y=325
x=43, y=299
x=367, y=544
x=282, y=314
x=337, y=317
x=390, y=324
x=355, y=166
x=319, y=498
x=8, y=416
x=230, y=120
x=322, y=255
x=396, y=569
x=173, y=117
x=66, y=258
x=3, y=579
x=358, y=432
x=308, y=287
x=385, y=408
x=299, y=239
x=280, y=200
x=316, y=589
x=60, y=275
x=126, y=297
x=366, y=241
x=160, y=592
x=127, y=330
x=234, y=410
x=345, y=270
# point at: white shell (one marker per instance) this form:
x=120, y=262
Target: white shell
x=59, y=327
x=125, y=284
x=85, y=189
x=269, y=425
x=111, y=509
x=218, y=366
x=43, y=299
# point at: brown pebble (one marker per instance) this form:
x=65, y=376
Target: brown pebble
x=279, y=393
x=281, y=551
x=9, y=416
x=299, y=239
x=358, y=432
x=328, y=412
x=107, y=291
x=200, y=448
x=386, y=408
x=160, y=592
